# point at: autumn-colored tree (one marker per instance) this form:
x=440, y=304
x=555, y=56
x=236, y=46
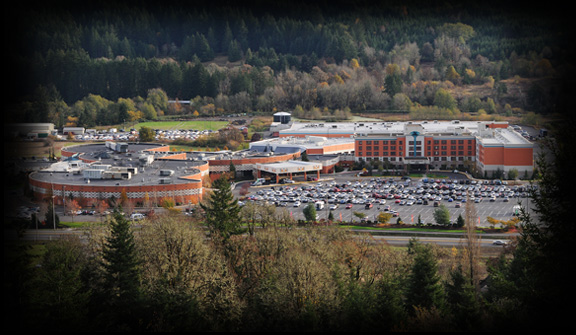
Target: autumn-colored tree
x=134, y=116
x=384, y=217
x=72, y=207
x=186, y=276
x=123, y=197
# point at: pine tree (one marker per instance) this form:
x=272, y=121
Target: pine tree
x=121, y=282
x=462, y=301
x=423, y=289
x=222, y=210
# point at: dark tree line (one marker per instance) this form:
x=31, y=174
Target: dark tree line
x=119, y=50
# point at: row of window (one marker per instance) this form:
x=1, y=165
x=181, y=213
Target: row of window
x=435, y=159
x=386, y=148
x=418, y=154
x=429, y=142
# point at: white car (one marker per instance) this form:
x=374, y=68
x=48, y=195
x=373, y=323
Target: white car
x=499, y=242
x=335, y=206
x=137, y=216
x=297, y=204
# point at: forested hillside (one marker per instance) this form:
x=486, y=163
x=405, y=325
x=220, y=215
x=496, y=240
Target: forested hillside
x=317, y=59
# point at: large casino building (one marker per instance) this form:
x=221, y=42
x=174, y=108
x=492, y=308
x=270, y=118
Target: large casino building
x=486, y=147
x=151, y=172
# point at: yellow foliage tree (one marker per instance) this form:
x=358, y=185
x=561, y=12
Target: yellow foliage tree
x=452, y=74
x=384, y=217
x=135, y=115
x=71, y=121
x=354, y=63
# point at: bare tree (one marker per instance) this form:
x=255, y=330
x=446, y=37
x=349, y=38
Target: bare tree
x=471, y=242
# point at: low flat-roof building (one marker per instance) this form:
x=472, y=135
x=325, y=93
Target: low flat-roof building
x=289, y=169
x=94, y=172
x=313, y=145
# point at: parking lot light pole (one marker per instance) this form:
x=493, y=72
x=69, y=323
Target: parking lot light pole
x=53, y=211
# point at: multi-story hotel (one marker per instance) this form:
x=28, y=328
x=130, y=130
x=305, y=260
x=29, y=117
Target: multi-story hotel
x=486, y=147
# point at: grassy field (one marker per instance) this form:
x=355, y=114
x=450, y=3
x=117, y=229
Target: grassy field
x=198, y=125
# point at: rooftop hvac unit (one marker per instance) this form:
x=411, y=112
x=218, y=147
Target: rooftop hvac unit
x=166, y=172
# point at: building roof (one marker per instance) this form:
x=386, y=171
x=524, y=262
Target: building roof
x=289, y=167
x=293, y=144
x=71, y=171
x=478, y=129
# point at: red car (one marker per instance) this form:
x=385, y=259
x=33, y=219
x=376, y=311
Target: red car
x=348, y=206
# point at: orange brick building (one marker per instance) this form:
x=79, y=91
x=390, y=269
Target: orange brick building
x=145, y=173
x=142, y=173
x=485, y=147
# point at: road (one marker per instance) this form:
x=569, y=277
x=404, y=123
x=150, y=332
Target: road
x=392, y=238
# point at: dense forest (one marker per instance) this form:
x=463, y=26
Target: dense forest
x=317, y=59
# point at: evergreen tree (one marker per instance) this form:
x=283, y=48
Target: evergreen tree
x=121, y=281
x=462, y=301
x=423, y=289
x=460, y=221
x=60, y=295
x=222, y=210
x=393, y=84
x=537, y=281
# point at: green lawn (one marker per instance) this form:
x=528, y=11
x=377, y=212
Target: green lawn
x=198, y=125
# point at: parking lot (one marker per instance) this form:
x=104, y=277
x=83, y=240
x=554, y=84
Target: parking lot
x=343, y=195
